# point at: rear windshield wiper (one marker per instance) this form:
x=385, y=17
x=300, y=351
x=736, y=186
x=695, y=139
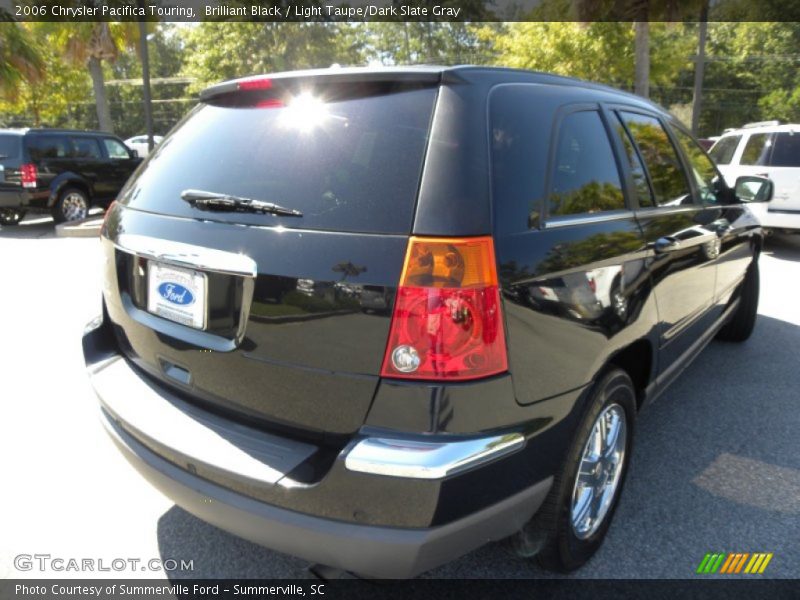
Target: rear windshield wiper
x=225, y=202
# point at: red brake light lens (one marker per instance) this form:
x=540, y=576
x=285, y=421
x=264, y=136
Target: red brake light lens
x=28, y=174
x=259, y=83
x=107, y=213
x=447, y=323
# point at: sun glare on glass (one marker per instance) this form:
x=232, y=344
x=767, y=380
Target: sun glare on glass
x=304, y=113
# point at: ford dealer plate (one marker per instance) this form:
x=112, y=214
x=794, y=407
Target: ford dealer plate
x=177, y=294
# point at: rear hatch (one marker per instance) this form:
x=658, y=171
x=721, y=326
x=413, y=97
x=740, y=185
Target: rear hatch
x=272, y=317
x=10, y=155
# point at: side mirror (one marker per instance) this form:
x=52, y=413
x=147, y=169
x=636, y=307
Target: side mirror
x=751, y=188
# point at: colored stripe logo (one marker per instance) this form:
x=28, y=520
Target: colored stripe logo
x=734, y=562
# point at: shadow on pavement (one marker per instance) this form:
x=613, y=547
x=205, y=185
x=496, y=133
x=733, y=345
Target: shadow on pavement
x=783, y=246
x=713, y=459
x=36, y=226
x=32, y=227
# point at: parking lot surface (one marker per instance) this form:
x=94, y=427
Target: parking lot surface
x=716, y=464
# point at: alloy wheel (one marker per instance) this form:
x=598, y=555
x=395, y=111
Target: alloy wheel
x=600, y=471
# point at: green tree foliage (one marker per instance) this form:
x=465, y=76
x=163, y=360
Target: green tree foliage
x=90, y=45
x=752, y=74
x=409, y=43
x=599, y=51
x=217, y=51
x=51, y=99
x=20, y=57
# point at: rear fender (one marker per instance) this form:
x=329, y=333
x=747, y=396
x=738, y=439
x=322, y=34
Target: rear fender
x=68, y=179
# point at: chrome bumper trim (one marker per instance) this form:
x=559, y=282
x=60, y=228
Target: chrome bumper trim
x=187, y=255
x=417, y=459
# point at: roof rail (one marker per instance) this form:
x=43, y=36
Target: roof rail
x=761, y=124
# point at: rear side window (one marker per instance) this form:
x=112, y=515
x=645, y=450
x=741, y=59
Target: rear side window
x=637, y=168
x=85, y=148
x=722, y=152
x=786, y=152
x=47, y=146
x=347, y=165
x=585, y=177
x=756, y=150
x=666, y=173
x=9, y=146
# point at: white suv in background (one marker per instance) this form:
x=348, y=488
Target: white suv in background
x=770, y=150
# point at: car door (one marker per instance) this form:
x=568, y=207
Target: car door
x=87, y=160
x=571, y=254
x=733, y=222
x=120, y=163
x=679, y=232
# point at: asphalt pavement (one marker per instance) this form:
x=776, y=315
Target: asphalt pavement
x=716, y=464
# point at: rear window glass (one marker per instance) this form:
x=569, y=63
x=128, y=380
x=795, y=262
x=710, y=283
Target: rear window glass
x=9, y=146
x=756, y=151
x=349, y=165
x=786, y=152
x=722, y=152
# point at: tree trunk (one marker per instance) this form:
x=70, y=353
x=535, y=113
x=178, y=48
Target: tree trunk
x=100, y=98
x=642, y=58
x=699, y=68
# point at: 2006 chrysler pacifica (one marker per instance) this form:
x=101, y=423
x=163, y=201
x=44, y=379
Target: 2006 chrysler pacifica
x=376, y=318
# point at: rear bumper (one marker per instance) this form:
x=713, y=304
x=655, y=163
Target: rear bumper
x=384, y=552
x=12, y=199
x=26, y=199
x=175, y=445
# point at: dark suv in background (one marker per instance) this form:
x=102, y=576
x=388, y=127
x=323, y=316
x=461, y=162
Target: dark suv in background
x=550, y=255
x=61, y=172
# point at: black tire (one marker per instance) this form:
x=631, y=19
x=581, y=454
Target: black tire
x=11, y=217
x=63, y=208
x=550, y=535
x=741, y=325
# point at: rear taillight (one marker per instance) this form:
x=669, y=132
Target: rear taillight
x=105, y=216
x=446, y=323
x=28, y=174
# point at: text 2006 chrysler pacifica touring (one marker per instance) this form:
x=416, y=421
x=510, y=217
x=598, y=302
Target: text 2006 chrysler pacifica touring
x=376, y=318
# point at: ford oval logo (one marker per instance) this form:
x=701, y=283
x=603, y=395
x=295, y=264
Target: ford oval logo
x=175, y=293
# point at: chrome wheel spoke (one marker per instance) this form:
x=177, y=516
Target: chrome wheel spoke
x=612, y=435
x=599, y=471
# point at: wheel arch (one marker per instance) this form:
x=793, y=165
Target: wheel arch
x=66, y=180
x=637, y=359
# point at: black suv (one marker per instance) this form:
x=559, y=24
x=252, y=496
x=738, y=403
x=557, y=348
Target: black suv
x=60, y=171
x=550, y=253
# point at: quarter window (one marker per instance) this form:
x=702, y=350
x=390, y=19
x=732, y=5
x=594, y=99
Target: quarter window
x=585, y=178
x=722, y=152
x=666, y=173
x=787, y=150
x=756, y=151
